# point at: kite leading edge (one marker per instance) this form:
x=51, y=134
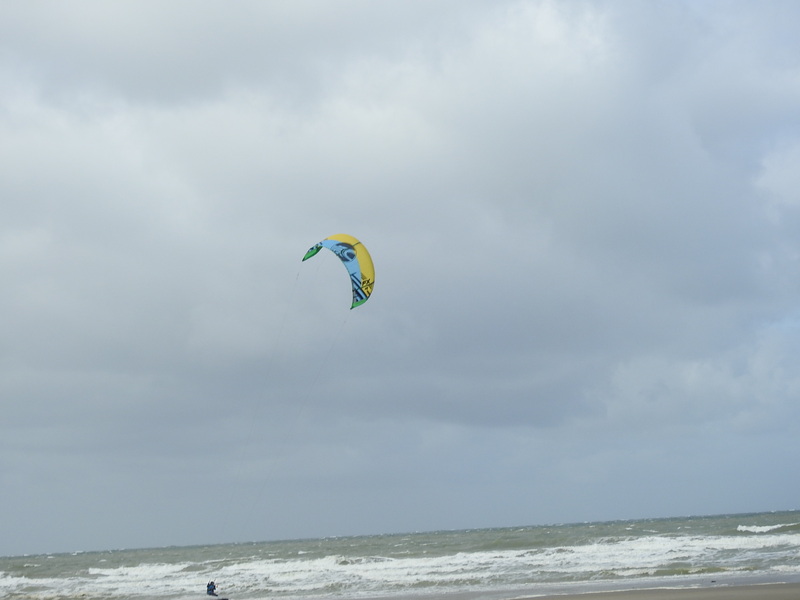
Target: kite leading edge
x=355, y=258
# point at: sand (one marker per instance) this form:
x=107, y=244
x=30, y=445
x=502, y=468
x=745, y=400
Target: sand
x=771, y=591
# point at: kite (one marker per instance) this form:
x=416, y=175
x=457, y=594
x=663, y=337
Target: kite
x=355, y=258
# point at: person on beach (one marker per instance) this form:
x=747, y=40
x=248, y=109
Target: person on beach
x=211, y=588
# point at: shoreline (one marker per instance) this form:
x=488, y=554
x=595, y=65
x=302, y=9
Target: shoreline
x=734, y=588
x=751, y=591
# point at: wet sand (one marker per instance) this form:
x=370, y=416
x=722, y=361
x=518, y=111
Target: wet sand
x=769, y=591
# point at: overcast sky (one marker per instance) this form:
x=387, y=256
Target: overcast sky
x=585, y=223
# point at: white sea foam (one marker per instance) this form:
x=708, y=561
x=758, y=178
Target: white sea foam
x=764, y=528
x=336, y=574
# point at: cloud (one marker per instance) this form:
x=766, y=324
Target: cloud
x=583, y=223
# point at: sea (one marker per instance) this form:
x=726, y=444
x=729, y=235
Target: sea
x=472, y=564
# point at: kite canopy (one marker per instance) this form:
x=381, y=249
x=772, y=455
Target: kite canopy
x=355, y=258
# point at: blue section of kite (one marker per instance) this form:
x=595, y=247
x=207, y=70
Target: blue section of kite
x=355, y=258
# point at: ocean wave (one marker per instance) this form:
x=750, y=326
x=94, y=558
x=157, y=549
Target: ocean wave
x=422, y=564
x=780, y=528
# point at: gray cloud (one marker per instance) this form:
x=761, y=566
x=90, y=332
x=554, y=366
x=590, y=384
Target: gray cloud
x=583, y=218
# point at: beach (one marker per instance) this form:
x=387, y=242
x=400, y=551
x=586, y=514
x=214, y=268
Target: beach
x=770, y=591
